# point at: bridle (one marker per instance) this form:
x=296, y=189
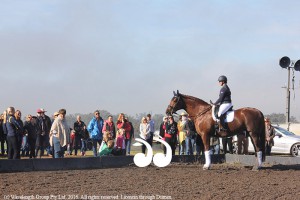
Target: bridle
x=171, y=108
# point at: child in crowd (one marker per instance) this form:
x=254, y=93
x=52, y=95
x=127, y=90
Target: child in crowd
x=106, y=138
x=70, y=147
x=107, y=148
x=120, y=142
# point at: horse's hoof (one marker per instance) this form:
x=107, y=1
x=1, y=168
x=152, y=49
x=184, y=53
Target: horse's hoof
x=206, y=167
x=256, y=168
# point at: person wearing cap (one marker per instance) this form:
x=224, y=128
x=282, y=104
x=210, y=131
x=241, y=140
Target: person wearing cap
x=224, y=100
x=187, y=134
x=60, y=134
x=43, y=137
x=182, y=137
x=95, y=127
x=270, y=134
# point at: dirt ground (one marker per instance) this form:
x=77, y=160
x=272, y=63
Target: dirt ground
x=176, y=181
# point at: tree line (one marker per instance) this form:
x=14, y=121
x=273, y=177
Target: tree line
x=279, y=118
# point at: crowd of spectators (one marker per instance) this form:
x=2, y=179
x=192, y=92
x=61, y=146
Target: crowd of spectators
x=41, y=136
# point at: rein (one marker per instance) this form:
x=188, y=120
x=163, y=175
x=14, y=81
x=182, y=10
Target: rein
x=201, y=113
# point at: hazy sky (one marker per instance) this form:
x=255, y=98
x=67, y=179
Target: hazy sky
x=129, y=55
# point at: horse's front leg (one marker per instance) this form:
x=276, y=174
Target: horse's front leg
x=206, y=144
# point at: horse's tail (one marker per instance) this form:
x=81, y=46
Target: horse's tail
x=263, y=138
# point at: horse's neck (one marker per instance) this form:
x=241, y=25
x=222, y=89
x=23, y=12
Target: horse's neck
x=194, y=107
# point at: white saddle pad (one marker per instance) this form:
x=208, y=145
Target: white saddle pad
x=229, y=115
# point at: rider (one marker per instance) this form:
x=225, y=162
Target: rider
x=224, y=98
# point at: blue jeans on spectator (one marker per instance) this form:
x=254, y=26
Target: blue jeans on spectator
x=127, y=146
x=58, y=149
x=95, y=141
x=150, y=140
x=83, y=146
x=181, y=148
x=215, y=149
x=193, y=145
x=24, y=146
x=188, y=146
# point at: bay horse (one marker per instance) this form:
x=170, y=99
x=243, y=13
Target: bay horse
x=247, y=119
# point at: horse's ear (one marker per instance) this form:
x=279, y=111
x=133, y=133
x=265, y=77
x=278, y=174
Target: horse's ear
x=174, y=93
x=177, y=93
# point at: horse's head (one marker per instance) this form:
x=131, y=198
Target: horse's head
x=176, y=103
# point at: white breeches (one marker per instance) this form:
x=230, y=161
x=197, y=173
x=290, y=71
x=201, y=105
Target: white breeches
x=223, y=108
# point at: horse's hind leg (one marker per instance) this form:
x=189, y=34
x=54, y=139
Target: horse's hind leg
x=258, y=149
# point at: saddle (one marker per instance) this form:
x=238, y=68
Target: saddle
x=222, y=125
x=216, y=110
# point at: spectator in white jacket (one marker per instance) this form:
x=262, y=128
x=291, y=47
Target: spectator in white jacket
x=145, y=132
x=60, y=134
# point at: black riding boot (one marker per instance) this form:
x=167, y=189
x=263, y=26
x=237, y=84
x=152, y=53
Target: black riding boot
x=222, y=124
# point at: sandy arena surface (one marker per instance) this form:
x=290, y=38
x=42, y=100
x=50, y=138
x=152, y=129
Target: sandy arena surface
x=177, y=181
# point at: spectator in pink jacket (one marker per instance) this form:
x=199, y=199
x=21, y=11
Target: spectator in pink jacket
x=120, y=142
x=109, y=126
